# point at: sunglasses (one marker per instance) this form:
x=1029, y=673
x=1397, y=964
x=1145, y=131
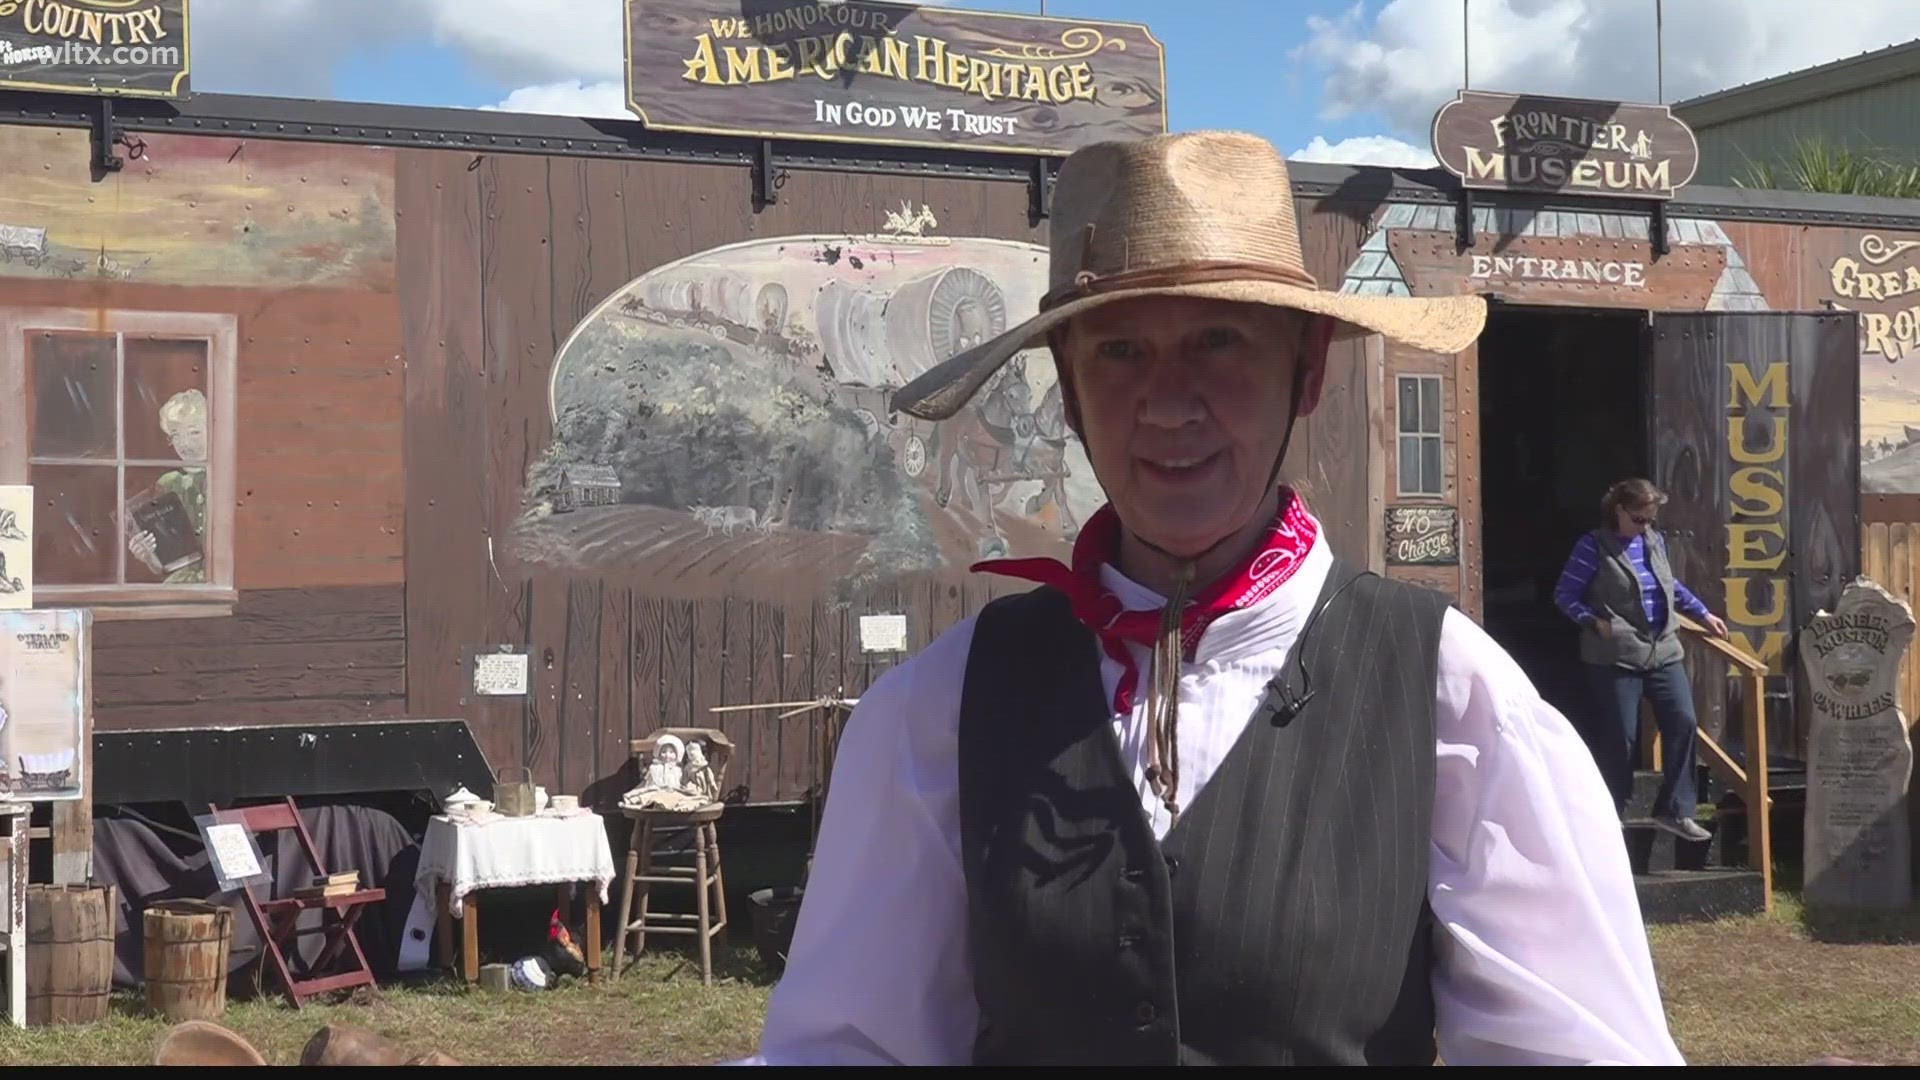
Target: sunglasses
x=1641, y=519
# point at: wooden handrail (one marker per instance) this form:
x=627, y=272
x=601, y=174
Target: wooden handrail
x=1736, y=776
x=1751, y=782
x=1740, y=657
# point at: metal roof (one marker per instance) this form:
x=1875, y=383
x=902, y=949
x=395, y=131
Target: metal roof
x=1796, y=87
x=570, y=136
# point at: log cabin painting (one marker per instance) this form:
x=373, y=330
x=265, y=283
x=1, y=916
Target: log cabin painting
x=725, y=416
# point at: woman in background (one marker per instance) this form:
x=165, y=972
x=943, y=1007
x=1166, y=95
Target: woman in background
x=1619, y=587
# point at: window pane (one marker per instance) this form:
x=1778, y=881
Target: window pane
x=1430, y=406
x=1409, y=463
x=166, y=407
x=167, y=529
x=72, y=380
x=1430, y=466
x=76, y=536
x=1409, y=403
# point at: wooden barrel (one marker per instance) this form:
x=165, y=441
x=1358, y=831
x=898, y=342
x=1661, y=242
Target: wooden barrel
x=186, y=948
x=69, y=953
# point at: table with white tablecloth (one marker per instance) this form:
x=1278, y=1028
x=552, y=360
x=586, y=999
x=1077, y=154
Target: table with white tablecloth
x=461, y=857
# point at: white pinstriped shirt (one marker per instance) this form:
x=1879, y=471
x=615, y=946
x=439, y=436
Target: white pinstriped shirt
x=1542, y=957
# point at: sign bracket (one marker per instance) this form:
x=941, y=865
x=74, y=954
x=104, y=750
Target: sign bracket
x=1040, y=189
x=768, y=176
x=1657, y=227
x=1463, y=220
x=105, y=134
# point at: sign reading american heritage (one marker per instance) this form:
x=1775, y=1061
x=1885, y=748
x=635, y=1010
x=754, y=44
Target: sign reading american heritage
x=1524, y=142
x=136, y=48
x=859, y=71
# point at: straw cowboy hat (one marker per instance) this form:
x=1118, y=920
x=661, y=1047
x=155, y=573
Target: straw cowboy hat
x=1205, y=213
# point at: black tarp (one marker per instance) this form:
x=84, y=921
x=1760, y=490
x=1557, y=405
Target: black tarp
x=137, y=860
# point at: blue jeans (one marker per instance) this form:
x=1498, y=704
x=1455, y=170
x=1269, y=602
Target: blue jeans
x=1614, y=737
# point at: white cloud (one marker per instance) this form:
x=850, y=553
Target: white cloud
x=1406, y=61
x=533, y=41
x=1368, y=150
x=569, y=98
x=292, y=46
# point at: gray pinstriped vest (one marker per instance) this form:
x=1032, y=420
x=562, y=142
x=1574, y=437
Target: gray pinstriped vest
x=1283, y=920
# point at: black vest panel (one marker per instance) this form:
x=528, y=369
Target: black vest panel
x=1283, y=920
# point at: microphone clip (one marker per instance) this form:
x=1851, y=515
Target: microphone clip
x=1280, y=705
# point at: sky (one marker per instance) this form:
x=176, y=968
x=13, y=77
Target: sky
x=1355, y=81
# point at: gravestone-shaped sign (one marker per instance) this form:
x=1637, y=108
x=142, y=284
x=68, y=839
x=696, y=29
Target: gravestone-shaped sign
x=1859, y=757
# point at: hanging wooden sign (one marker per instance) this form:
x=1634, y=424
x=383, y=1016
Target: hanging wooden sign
x=1572, y=146
x=905, y=74
x=135, y=48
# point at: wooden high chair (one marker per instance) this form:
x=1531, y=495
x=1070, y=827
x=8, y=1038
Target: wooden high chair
x=704, y=875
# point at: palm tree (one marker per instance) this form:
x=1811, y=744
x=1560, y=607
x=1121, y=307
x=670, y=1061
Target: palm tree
x=1816, y=165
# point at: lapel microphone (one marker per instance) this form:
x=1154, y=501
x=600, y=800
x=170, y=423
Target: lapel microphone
x=1279, y=704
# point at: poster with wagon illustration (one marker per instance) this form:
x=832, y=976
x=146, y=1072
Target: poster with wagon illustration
x=43, y=703
x=724, y=418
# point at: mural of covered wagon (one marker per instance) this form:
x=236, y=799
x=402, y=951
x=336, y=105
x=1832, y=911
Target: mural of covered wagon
x=22, y=243
x=721, y=303
x=45, y=772
x=877, y=341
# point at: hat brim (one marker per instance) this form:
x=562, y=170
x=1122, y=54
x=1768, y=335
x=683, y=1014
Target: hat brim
x=1441, y=324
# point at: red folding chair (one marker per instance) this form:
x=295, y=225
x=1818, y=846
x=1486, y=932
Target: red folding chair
x=278, y=920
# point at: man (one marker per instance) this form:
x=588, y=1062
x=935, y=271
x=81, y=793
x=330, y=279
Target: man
x=1295, y=814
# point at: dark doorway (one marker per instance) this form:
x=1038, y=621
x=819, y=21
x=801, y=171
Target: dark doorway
x=1562, y=415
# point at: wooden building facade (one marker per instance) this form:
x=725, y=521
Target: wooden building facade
x=426, y=385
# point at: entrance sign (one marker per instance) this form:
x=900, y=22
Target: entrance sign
x=1559, y=269
x=1571, y=146
x=905, y=74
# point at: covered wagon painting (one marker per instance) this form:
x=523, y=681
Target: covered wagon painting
x=738, y=401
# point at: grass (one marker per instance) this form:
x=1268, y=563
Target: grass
x=1786, y=988
x=1791, y=987
x=658, y=1013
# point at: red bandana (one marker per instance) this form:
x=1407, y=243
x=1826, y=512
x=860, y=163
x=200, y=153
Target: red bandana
x=1280, y=553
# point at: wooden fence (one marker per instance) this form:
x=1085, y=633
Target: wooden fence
x=1890, y=556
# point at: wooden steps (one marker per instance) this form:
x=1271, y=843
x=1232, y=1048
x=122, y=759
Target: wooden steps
x=1679, y=880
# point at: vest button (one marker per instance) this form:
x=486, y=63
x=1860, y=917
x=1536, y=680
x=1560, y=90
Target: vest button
x=1144, y=1013
x=1173, y=865
x=1128, y=939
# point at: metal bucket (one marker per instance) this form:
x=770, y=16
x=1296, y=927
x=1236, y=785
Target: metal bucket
x=513, y=798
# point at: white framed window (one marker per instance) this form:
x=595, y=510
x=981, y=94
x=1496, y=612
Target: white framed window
x=1420, y=436
x=123, y=423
